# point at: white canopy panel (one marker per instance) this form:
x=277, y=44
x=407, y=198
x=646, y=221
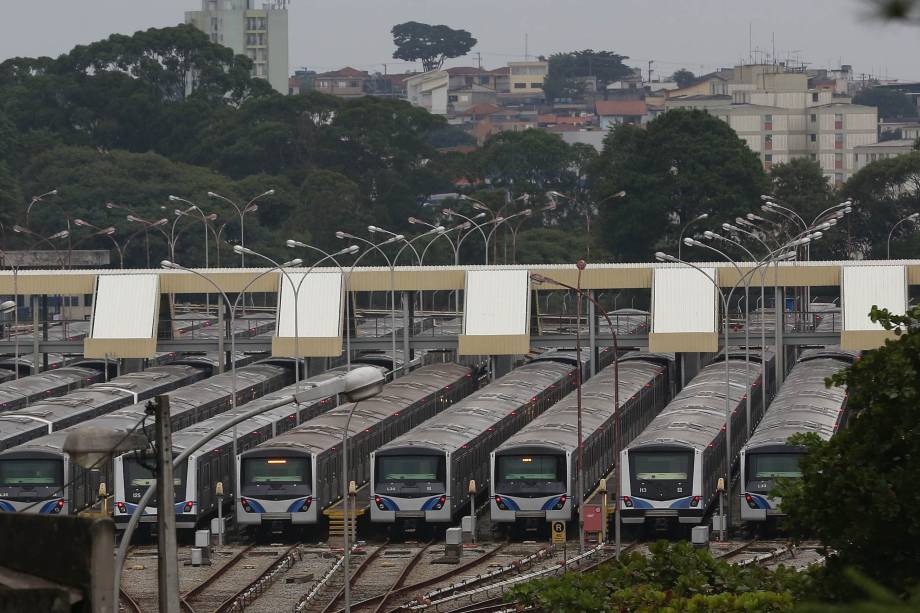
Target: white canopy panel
x=125, y=306
x=496, y=302
x=684, y=300
x=865, y=286
x=319, y=304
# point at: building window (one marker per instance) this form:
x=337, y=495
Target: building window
x=768, y=142
x=452, y=98
x=838, y=161
x=813, y=118
x=767, y=161
x=520, y=85
x=838, y=121
x=215, y=24
x=813, y=157
x=536, y=86
x=483, y=80
x=838, y=179
x=814, y=97
x=813, y=138
x=768, y=122
x=838, y=141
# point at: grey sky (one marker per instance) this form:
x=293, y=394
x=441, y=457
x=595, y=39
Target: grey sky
x=696, y=34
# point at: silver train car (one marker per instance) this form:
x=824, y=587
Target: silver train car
x=22, y=392
x=803, y=404
x=292, y=478
x=196, y=481
x=533, y=473
x=673, y=466
x=423, y=476
x=39, y=473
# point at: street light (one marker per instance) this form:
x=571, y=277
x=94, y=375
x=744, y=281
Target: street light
x=589, y=211
x=107, y=232
x=45, y=239
x=477, y=227
x=536, y=278
x=205, y=218
x=680, y=239
x=36, y=200
x=250, y=207
x=911, y=217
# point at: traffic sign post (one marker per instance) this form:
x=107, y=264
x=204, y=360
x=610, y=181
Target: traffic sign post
x=558, y=536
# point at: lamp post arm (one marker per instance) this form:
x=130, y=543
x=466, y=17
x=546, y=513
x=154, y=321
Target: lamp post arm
x=788, y=213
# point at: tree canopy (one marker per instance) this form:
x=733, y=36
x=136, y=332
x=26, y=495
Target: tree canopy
x=683, y=77
x=430, y=44
x=684, y=163
x=607, y=66
x=891, y=104
x=858, y=490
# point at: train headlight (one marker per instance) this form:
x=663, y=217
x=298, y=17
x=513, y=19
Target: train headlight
x=750, y=501
x=379, y=502
x=501, y=503
x=121, y=507
x=246, y=506
x=188, y=507
x=628, y=502
x=57, y=506
x=439, y=504
x=560, y=503
x=695, y=501
x=306, y=504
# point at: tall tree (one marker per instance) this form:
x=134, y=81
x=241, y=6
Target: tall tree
x=532, y=161
x=606, y=66
x=430, y=44
x=891, y=104
x=682, y=164
x=858, y=490
x=683, y=77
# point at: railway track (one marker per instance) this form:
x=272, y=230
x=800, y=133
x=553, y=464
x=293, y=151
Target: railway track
x=754, y=552
x=378, y=603
x=220, y=591
x=128, y=604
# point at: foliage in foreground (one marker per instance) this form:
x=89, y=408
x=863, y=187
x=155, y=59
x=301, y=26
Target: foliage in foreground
x=880, y=600
x=676, y=577
x=858, y=493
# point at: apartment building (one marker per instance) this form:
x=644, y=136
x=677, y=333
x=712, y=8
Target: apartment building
x=258, y=32
x=527, y=77
x=781, y=118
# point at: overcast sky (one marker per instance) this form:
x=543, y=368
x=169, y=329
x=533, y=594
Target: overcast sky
x=700, y=35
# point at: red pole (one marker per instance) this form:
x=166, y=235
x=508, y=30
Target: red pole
x=581, y=448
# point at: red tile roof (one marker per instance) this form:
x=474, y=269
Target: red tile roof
x=463, y=70
x=621, y=107
x=482, y=109
x=348, y=71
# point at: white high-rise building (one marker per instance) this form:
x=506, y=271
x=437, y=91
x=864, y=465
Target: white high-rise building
x=261, y=34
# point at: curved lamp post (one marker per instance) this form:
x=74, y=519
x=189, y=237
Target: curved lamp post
x=35, y=200
x=911, y=217
x=680, y=239
x=250, y=207
x=589, y=211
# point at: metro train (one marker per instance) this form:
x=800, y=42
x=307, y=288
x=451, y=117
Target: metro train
x=291, y=479
x=803, y=404
x=533, y=473
x=673, y=466
x=33, y=475
x=52, y=383
x=423, y=476
x=196, y=481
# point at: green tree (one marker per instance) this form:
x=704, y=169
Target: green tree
x=606, y=66
x=902, y=10
x=684, y=163
x=549, y=246
x=331, y=202
x=532, y=161
x=676, y=577
x=885, y=192
x=683, y=77
x=858, y=490
x=891, y=104
x=430, y=44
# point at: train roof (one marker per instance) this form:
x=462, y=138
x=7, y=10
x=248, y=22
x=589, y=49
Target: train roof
x=556, y=428
x=804, y=403
x=325, y=431
x=35, y=384
x=454, y=427
x=696, y=415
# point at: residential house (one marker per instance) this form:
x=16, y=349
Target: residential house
x=527, y=77
x=301, y=82
x=612, y=113
x=347, y=82
x=866, y=154
x=458, y=100
x=429, y=90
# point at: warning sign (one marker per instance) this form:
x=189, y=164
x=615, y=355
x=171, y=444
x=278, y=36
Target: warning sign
x=558, y=532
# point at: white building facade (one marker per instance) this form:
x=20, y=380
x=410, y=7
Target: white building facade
x=258, y=32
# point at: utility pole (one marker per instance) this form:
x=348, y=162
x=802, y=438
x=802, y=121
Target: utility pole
x=650, y=62
x=168, y=567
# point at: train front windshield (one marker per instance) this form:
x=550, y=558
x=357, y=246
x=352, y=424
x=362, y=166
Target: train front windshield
x=139, y=475
x=661, y=475
x=275, y=477
x=28, y=479
x=410, y=475
x=530, y=475
x=763, y=469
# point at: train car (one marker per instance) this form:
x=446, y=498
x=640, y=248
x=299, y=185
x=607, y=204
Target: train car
x=52, y=414
x=43, y=461
x=803, y=404
x=533, y=473
x=197, y=479
x=6, y=375
x=423, y=476
x=672, y=468
x=49, y=384
x=292, y=478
